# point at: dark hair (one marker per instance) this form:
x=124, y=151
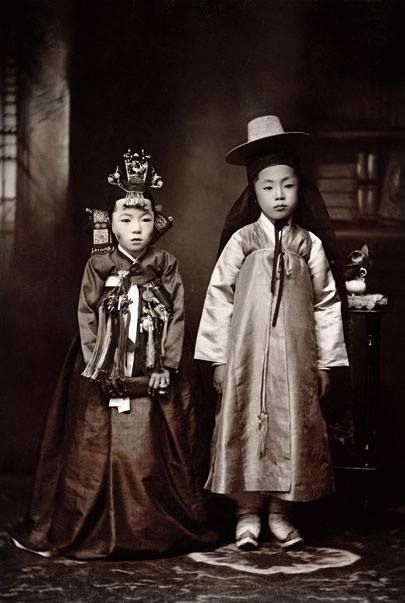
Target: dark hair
x=117, y=194
x=256, y=165
x=246, y=209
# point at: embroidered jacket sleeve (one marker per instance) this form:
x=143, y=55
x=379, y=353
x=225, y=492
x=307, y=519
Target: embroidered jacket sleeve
x=213, y=333
x=172, y=281
x=331, y=348
x=90, y=292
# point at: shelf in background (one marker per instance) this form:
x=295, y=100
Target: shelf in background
x=368, y=229
x=361, y=135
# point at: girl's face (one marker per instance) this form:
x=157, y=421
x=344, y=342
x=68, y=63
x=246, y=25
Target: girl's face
x=133, y=226
x=276, y=188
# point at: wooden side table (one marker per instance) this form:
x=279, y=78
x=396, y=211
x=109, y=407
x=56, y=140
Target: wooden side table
x=366, y=427
x=359, y=482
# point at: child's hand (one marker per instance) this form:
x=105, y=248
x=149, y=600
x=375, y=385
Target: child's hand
x=159, y=380
x=324, y=382
x=218, y=378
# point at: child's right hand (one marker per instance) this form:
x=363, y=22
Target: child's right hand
x=159, y=381
x=218, y=378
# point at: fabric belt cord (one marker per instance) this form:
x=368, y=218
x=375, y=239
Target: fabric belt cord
x=278, y=261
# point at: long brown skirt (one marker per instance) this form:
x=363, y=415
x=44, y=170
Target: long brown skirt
x=115, y=484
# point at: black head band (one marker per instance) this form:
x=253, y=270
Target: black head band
x=257, y=165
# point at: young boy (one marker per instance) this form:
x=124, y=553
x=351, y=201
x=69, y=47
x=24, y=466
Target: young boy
x=272, y=325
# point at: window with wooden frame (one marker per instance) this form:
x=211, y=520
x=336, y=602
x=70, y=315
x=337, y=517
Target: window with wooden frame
x=8, y=158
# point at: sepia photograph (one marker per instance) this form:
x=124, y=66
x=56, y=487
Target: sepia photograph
x=202, y=315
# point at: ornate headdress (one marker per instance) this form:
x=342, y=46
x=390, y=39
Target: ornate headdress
x=141, y=178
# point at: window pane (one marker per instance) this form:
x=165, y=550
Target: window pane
x=8, y=159
x=10, y=179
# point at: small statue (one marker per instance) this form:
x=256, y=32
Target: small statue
x=356, y=271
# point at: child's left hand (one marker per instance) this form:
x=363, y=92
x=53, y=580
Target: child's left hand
x=323, y=382
x=159, y=380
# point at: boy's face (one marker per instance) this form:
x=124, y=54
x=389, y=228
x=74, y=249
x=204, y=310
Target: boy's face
x=276, y=190
x=133, y=226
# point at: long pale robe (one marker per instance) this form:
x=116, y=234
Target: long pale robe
x=271, y=368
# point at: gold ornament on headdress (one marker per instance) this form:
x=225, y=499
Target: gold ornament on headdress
x=140, y=177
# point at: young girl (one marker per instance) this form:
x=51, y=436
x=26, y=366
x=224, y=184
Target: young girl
x=272, y=325
x=116, y=474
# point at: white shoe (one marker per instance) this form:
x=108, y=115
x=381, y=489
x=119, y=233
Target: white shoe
x=25, y=548
x=285, y=534
x=247, y=541
x=247, y=529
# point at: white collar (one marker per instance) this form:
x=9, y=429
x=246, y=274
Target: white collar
x=129, y=256
x=268, y=225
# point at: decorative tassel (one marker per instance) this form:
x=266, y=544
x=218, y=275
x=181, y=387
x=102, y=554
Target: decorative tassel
x=163, y=321
x=263, y=426
x=164, y=334
x=118, y=368
x=103, y=342
x=150, y=345
x=124, y=331
x=92, y=363
x=108, y=358
x=106, y=351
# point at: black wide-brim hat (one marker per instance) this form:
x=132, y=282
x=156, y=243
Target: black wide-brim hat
x=267, y=135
